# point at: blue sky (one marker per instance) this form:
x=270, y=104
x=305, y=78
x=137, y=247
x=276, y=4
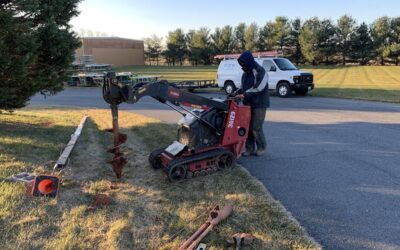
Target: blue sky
x=140, y=18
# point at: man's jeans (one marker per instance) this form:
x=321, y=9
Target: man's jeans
x=256, y=134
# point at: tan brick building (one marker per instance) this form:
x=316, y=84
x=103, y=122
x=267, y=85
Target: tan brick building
x=112, y=50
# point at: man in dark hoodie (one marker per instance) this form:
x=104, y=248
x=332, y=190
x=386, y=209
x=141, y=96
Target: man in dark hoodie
x=255, y=91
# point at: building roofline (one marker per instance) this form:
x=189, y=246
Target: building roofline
x=110, y=38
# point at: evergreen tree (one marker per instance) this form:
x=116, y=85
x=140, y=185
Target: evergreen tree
x=362, y=46
x=281, y=32
x=393, y=51
x=266, y=37
x=199, y=46
x=176, y=47
x=37, y=47
x=222, y=40
x=318, y=40
x=251, y=37
x=395, y=30
x=240, y=43
x=153, y=48
x=261, y=45
x=216, y=41
x=309, y=40
x=227, y=39
x=188, y=37
x=327, y=39
x=293, y=41
x=345, y=29
x=380, y=30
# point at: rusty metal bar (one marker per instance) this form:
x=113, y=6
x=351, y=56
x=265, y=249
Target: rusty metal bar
x=119, y=161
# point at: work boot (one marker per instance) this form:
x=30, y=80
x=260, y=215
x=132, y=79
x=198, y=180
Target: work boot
x=260, y=152
x=247, y=153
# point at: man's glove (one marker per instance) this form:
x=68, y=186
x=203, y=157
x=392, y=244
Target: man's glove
x=235, y=93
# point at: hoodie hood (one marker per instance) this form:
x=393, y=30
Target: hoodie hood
x=246, y=60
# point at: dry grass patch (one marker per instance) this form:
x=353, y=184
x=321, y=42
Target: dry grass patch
x=146, y=211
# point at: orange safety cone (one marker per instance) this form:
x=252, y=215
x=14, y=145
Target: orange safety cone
x=45, y=185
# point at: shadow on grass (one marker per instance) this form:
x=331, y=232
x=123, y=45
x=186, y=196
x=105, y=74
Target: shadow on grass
x=31, y=144
x=29, y=222
x=380, y=95
x=308, y=66
x=156, y=135
x=154, y=208
x=254, y=210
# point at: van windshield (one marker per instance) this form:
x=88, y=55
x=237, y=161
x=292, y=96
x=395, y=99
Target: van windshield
x=284, y=64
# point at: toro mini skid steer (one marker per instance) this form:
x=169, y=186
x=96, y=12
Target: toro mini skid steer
x=211, y=135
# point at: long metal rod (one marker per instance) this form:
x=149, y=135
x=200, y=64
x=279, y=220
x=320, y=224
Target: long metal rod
x=202, y=120
x=173, y=107
x=63, y=159
x=192, y=113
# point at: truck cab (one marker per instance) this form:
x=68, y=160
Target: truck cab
x=283, y=77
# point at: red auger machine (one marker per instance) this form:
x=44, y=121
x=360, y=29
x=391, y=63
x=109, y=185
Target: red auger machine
x=211, y=135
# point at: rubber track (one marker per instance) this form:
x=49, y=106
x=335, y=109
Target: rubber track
x=201, y=156
x=153, y=155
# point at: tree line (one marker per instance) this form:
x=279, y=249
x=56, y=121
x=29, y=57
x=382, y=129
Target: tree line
x=315, y=41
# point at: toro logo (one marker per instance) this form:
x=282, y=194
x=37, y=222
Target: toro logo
x=174, y=93
x=232, y=116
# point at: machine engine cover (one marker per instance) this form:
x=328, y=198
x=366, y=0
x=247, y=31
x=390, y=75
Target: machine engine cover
x=196, y=134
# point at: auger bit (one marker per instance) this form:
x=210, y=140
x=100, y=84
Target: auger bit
x=112, y=95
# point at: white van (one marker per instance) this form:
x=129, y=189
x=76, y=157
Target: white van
x=284, y=77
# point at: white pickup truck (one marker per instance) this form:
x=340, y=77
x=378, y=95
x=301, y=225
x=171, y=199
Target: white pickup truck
x=284, y=77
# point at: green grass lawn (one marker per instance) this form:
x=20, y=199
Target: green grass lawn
x=147, y=211
x=377, y=83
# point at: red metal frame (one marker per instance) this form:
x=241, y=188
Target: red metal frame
x=237, y=118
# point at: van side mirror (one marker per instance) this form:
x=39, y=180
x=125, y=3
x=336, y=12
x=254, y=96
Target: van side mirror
x=273, y=68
